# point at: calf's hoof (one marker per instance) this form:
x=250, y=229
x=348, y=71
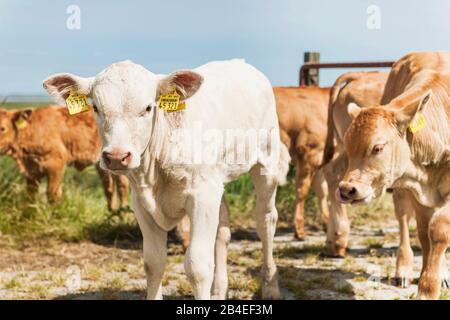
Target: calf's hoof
x=218, y=297
x=429, y=286
x=270, y=289
x=299, y=238
x=270, y=293
x=402, y=282
x=334, y=251
x=445, y=284
x=299, y=235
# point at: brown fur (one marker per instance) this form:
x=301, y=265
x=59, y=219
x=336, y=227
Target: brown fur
x=51, y=140
x=302, y=114
x=364, y=125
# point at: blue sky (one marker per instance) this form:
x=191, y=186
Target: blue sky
x=169, y=35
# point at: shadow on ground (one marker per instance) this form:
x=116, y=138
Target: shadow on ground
x=106, y=294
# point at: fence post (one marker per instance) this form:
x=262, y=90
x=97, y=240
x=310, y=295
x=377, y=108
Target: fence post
x=311, y=75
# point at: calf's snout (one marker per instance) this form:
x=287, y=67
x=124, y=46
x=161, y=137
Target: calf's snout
x=347, y=189
x=117, y=159
x=351, y=191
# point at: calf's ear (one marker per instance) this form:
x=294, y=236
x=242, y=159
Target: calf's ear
x=186, y=84
x=24, y=114
x=58, y=86
x=353, y=110
x=405, y=115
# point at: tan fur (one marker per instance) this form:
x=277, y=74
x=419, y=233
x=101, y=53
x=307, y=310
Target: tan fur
x=302, y=114
x=365, y=89
x=51, y=140
x=416, y=162
x=364, y=125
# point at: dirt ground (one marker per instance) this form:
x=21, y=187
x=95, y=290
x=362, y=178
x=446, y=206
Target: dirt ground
x=58, y=270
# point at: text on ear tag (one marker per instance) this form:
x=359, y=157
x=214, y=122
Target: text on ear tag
x=76, y=103
x=171, y=102
x=418, y=123
x=21, y=123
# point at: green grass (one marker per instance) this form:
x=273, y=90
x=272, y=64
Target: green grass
x=81, y=215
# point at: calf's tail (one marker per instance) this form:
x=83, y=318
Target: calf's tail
x=283, y=165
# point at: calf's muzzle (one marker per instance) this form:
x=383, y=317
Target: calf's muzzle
x=116, y=159
x=351, y=191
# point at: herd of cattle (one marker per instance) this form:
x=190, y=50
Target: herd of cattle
x=370, y=133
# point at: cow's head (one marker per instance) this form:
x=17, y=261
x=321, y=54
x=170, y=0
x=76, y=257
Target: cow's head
x=125, y=96
x=10, y=122
x=377, y=149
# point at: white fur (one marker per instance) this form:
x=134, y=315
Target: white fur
x=233, y=95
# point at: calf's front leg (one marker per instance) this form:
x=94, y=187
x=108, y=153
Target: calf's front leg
x=199, y=263
x=155, y=251
x=55, y=175
x=405, y=256
x=439, y=237
x=122, y=186
x=108, y=185
x=320, y=188
x=32, y=187
x=338, y=228
x=302, y=185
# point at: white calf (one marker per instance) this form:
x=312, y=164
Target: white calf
x=179, y=161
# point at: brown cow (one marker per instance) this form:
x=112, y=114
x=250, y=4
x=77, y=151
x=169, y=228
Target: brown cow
x=405, y=143
x=302, y=115
x=364, y=89
x=43, y=141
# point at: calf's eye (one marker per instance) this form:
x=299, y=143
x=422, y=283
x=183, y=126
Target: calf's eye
x=147, y=111
x=378, y=148
x=95, y=108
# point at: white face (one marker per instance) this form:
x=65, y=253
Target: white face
x=124, y=102
x=124, y=97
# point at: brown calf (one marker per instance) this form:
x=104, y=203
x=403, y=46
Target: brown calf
x=44, y=141
x=404, y=143
x=364, y=89
x=302, y=115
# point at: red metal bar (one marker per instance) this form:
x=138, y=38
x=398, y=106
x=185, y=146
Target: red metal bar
x=316, y=65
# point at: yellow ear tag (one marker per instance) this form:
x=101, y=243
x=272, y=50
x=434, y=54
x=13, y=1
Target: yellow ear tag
x=171, y=102
x=76, y=103
x=21, y=123
x=418, y=123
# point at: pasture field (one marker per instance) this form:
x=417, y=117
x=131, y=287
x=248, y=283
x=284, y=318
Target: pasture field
x=41, y=243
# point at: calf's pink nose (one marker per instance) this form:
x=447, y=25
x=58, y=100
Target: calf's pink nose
x=117, y=159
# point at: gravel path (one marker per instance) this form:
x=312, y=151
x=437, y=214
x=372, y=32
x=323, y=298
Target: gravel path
x=56, y=270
